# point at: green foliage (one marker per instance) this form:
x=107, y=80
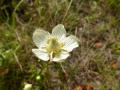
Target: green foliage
x=116, y=47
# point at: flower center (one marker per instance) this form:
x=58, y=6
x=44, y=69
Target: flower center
x=53, y=45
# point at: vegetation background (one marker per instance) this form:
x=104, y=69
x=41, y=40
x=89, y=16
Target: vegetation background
x=94, y=65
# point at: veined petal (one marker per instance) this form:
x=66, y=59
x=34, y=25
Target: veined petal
x=58, y=31
x=62, y=39
x=60, y=56
x=41, y=54
x=40, y=37
x=70, y=43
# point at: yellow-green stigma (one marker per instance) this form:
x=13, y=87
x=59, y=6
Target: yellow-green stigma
x=53, y=45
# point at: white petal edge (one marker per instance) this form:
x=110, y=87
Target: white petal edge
x=58, y=31
x=41, y=54
x=61, y=56
x=40, y=37
x=71, y=42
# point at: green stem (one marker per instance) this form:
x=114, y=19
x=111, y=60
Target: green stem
x=62, y=72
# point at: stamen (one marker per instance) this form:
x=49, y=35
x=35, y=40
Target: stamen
x=51, y=57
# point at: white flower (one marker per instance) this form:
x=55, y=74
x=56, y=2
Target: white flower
x=27, y=86
x=54, y=47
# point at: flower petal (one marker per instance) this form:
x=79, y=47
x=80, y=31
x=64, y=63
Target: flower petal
x=41, y=54
x=70, y=43
x=62, y=39
x=60, y=56
x=39, y=37
x=58, y=31
x=27, y=86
